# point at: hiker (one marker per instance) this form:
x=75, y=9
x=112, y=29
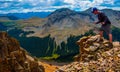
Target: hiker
x=106, y=24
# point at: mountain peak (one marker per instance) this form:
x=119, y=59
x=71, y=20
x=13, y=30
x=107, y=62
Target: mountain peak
x=62, y=11
x=58, y=16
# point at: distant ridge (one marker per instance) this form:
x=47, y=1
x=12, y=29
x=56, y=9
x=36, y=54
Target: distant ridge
x=28, y=15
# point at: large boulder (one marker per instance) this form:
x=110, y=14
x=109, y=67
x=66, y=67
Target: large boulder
x=15, y=59
x=90, y=46
x=96, y=55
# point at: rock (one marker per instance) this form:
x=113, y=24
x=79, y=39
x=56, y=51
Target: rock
x=93, y=38
x=91, y=45
x=96, y=55
x=93, y=48
x=13, y=58
x=116, y=44
x=118, y=55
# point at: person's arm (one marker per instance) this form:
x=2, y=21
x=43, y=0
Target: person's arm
x=104, y=18
x=98, y=22
x=100, y=19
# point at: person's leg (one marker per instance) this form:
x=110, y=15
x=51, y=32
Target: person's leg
x=110, y=38
x=101, y=30
x=109, y=34
x=101, y=33
x=108, y=31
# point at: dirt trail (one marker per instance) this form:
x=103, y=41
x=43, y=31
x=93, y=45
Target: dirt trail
x=49, y=67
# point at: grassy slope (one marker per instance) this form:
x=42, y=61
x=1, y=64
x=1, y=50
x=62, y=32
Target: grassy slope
x=32, y=22
x=60, y=34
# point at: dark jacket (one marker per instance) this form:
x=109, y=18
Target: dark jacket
x=103, y=18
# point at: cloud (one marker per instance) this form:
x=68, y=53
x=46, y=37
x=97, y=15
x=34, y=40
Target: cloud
x=16, y=6
x=116, y=8
x=69, y=1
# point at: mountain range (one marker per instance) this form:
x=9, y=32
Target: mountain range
x=27, y=15
x=57, y=32
x=64, y=22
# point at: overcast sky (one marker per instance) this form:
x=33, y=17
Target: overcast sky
x=19, y=6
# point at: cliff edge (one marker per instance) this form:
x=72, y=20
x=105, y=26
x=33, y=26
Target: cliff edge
x=15, y=59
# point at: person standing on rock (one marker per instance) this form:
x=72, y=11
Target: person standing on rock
x=106, y=24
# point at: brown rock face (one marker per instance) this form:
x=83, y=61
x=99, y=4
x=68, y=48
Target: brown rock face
x=15, y=59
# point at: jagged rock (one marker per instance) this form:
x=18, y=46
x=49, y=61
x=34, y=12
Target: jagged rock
x=102, y=59
x=15, y=59
x=90, y=46
x=116, y=44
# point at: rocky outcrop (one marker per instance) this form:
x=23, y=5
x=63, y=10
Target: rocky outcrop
x=15, y=59
x=96, y=55
x=90, y=47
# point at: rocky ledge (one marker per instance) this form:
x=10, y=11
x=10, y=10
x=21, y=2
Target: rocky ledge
x=96, y=55
x=15, y=59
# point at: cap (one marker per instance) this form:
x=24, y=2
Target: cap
x=94, y=9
